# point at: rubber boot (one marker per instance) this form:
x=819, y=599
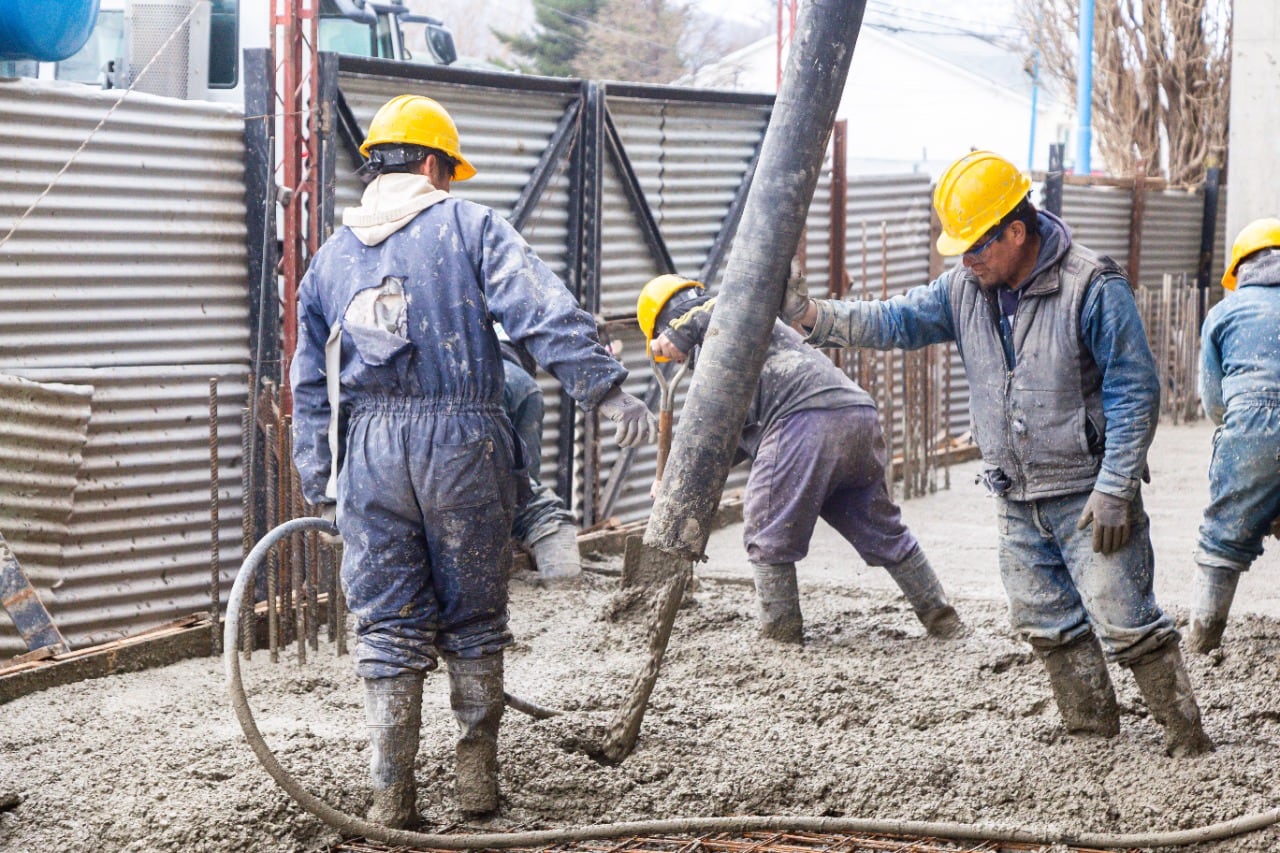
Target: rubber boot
x=556, y=554
x=1210, y=603
x=475, y=694
x=1081, y=686
x=1162, y=678
x=393, y=713
x=779, y=602
x=915, y=577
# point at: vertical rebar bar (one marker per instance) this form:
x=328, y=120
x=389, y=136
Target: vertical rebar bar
x=340, y=610
x=246, y=524
x=946, y=417
x=311, y=582
x=331, y=587
x=888, y=361
x=297, y=570
x=283, y=490
x=215, y=559
x=273, y=565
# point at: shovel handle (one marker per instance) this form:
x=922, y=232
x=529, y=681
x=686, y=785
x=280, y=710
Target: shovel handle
x=664, y=440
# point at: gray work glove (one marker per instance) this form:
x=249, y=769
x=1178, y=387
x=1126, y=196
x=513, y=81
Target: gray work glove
x=795, y=301
x=1110, y=518
x=329, y=512
x=636, y=424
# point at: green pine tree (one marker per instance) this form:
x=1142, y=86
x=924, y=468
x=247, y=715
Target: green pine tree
x=558, y=36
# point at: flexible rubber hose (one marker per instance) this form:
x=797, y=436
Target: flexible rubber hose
x=353, y=825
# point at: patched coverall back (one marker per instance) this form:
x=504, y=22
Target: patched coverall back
x=430, y=464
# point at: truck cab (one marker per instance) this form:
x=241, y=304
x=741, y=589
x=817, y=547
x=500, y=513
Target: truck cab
x=212, y=69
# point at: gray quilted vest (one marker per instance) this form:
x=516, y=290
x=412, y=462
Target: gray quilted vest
x=1041, y=423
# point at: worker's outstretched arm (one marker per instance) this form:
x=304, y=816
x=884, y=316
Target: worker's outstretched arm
x=915, y=319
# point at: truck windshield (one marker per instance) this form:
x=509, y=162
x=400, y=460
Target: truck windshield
x=356, y=33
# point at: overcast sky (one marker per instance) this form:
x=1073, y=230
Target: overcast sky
x=983, y=15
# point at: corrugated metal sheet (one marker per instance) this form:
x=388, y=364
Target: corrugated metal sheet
x=137, y=254
x=1171, y=224
x=129, y=276
x=43, y=427
x=136, y=552
x=1099, y=218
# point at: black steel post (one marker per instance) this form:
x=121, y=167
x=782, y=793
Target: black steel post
x=327, y=127
x=772, y=221
x=1053, y=180
x=1208, y=239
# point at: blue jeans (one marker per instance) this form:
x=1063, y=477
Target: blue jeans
x=543, y=512
x=1244, y=485
x=1058, y=587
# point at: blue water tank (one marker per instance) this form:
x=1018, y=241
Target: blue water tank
x=45, y=30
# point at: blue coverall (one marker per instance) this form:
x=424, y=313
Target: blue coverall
x=430, y=464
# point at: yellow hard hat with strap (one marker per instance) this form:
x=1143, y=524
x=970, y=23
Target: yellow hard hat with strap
x=973, y=195
x=418, y=120
x=654, y=296
x=1257, y=235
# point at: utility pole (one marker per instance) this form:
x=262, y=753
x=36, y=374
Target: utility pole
x=1084, y=90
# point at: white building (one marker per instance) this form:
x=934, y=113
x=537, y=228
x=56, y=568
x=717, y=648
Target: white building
x=916, y=100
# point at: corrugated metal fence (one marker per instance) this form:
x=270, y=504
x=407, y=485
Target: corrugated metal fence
x=127, y=282
x=126, y=289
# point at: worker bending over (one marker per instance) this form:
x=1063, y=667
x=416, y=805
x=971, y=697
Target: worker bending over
x=1240, y=390
x=817, y=451
x=398, y=377
x=1064, y=400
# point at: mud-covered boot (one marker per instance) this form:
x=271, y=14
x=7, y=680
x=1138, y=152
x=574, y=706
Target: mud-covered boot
x=1081, y=686
x=778, y=598
x=556, y=555
x=393, y=713
x=475, y=694
x=915, y=577
x=1162, y=678
x=1211, y=597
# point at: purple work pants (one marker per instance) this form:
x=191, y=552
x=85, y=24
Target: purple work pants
x=826, y=463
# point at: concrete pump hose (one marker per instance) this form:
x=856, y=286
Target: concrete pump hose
x=352, y=825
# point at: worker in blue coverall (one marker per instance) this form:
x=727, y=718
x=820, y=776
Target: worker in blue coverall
x=399, y=430
x=543, y=526
x=1240, y=390
x=817, y=450
x=1064, y=400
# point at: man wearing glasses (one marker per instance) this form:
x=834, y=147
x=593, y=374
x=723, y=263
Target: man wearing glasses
x=1064, y=399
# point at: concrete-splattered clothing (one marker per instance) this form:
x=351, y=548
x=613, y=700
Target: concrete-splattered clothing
x=1240, y=390
x=818, y=452
x=1064, y=399
x=543, y=512
x=430, y=465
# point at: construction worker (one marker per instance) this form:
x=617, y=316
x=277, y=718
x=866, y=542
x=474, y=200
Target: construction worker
x=1240, y=390
x=398, y=376
x=1064, y=400
x=817, y=450
x=543, y=526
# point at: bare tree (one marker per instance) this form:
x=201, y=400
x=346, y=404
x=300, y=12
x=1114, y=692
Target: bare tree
x=634, y=40
x=1161, y=73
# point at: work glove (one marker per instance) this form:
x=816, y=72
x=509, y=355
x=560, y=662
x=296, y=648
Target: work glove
x=795, y=301
x=329, y=512
x=636, y=424
x=1275, y=528
x=1110, y=518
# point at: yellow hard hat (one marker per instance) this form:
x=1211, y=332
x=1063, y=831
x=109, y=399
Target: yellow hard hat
x=1257, y=235
x=973, y=195
x=417, y=120
x=654, y=296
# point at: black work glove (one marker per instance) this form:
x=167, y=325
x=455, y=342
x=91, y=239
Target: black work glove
x=1110, y=518
x=636, y=424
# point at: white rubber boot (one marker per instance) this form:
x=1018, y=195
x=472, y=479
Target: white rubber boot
x=393, y=713
x=475, y=694
x=556, y=555
x=916, y=578
x=1211, y=597
x=779, y=602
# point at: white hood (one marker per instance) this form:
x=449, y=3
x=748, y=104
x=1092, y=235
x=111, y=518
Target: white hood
x=389, y=203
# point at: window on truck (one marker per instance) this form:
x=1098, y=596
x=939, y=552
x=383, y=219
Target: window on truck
x=224, y=44
x=92, y=63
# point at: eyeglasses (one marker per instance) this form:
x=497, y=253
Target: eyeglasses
x=979, y=248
